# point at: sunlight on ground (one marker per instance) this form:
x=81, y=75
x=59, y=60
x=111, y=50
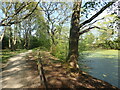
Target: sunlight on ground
x=6, y=54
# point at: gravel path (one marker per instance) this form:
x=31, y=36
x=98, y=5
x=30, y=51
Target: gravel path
x=17, y=73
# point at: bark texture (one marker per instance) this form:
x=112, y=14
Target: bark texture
x=74, y=35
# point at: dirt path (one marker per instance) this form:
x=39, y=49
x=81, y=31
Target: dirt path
x=17, y=73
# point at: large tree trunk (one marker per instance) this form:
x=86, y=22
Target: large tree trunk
x=74, y=36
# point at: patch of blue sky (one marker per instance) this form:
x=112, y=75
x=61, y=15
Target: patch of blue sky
x=1, y=17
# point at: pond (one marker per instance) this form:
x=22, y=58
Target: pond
x=102, y=64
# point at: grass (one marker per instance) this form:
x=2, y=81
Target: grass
x=6, y=54
x=102, y=53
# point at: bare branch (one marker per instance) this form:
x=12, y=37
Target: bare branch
x=98, y=13
x=90, y=28
x=17, y=11
x=92, y=23
x=20, y=20
x=31, y=11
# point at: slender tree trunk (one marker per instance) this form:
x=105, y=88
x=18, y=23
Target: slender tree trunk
x=10, y=39
x=29, y=37
x=74, y=36
x=15, y=38
x=3, y=34
x=26, y=39
x=52, y=34
x=15, y=30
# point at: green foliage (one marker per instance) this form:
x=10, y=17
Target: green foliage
x=60, y=51
x=39, y=42
x=86, y=42
x=106, y=38
x=20, y=43
x=31, y=32
x=108, y=44
x=5, y=42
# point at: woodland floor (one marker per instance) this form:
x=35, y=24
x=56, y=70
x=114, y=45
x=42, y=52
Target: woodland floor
x=21, y=72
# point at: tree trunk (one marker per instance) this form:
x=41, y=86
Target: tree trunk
x=26, y=39
x=10, y=39
x=3, y=34
x=74, y=36
x=15, y=37
x=29, y=37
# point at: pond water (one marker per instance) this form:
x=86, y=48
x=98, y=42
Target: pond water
x=102, y=64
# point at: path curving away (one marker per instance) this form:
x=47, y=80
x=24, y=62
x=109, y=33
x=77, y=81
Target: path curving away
x=17, y=73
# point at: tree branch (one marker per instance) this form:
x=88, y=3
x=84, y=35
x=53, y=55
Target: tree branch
x=31, y=11
x=88, y=29
x=98, y=13
x=18, y=10
x=15, y=22
x=92, y=23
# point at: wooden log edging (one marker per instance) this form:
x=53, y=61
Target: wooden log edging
x=43, y=80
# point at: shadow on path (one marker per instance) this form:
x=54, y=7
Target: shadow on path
x=17, y=73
